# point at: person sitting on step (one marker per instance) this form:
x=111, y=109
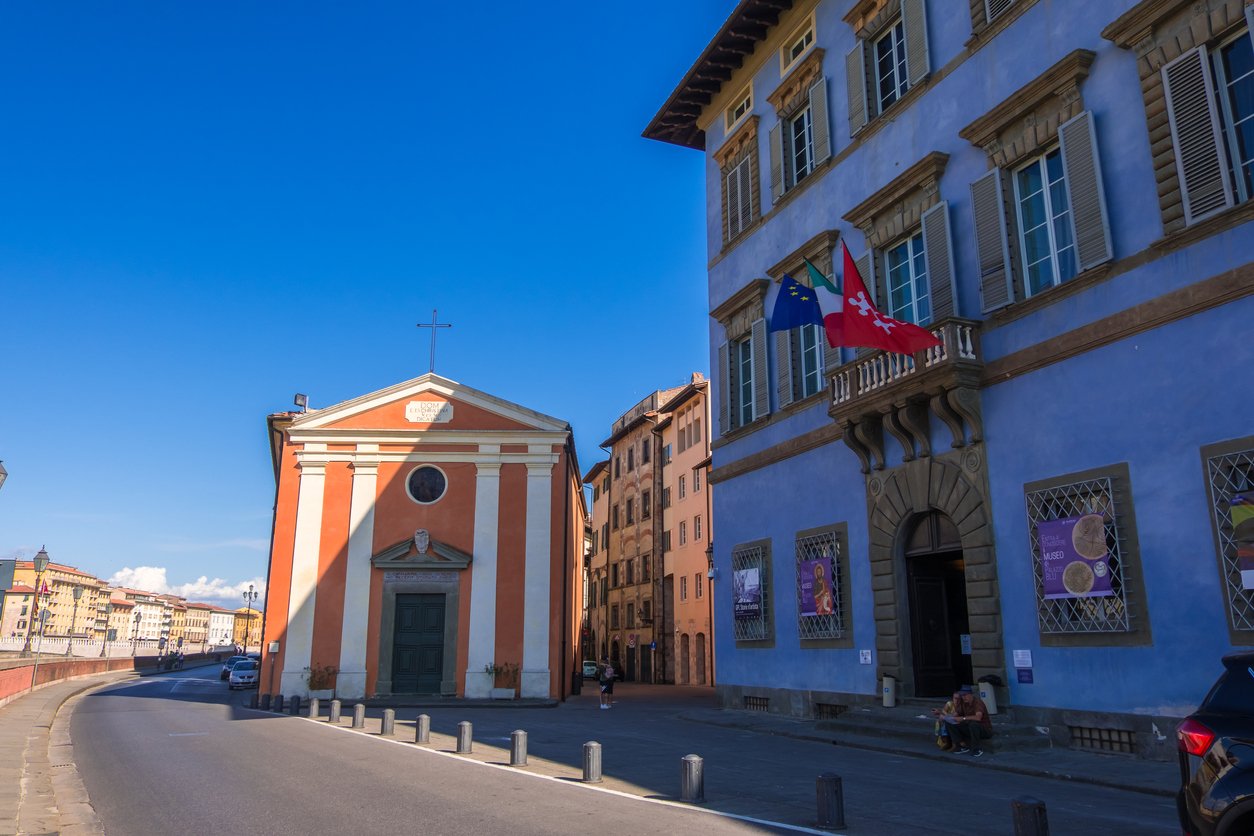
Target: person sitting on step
x=969, y=723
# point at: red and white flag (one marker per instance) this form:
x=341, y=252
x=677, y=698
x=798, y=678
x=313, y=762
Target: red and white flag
x=866, y=327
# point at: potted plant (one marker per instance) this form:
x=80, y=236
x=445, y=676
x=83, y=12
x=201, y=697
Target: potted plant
x=321, y=681
x=504, y=680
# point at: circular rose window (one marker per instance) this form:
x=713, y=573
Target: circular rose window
x=427, y=484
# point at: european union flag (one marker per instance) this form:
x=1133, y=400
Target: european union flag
x=795, y=305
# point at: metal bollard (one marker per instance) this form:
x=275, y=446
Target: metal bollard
x=277, y=705
x=1029, y=816
x=315, y=707
x=295, y=709
x=518, y=748
x=334, y=716
x=592, y=762
x=389, y=721
x=831, y=798
x=359, y=716
x=265, y=702
x=254, y=699
x=463, y=738
x=692, y=779
x=422, y=729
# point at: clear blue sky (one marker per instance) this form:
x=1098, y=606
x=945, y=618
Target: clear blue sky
x=205, y=208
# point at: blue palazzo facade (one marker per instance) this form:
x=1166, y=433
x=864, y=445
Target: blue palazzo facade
x=1061, y=191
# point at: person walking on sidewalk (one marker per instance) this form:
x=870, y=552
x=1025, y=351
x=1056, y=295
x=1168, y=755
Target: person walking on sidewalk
x=606, y=679
x=970, y=723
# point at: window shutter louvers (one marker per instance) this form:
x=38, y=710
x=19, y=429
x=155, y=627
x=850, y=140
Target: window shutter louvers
x=940, y=262
x=866, y=269
x=914, y=17
x=746, y=193
x=761, y=388
x=992, y=246
x=783, y=366
x=1195, y=135
x=724, y=387
x=732, y=185
x=819, y=122
x=777, y=162
x=1083, y=170
x=855, y=78
x=994, y=8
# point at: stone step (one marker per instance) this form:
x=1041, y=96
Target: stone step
x=915, y=722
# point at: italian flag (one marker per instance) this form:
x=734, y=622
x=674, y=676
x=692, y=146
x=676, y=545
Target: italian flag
x=831, y=304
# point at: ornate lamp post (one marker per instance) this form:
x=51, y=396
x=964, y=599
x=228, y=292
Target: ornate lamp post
x=40, y=563
x=249, y=597
x=104, y=643
x=135, y=633
x=69, y=634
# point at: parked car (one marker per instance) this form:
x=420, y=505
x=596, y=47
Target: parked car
x=1216, y=751
x=243, y=675
x=230, y=663
x=589, y=669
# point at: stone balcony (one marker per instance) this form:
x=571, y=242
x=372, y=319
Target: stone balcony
x=895, y=392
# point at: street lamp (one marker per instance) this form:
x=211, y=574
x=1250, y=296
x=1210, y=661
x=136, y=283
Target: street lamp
x=249, y=597
x=40, y=563
x=4, y=474
x=104, y=643
x=135, y=633
x=69, y=637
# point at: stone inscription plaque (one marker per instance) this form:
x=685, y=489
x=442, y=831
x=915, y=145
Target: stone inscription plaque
x=428, y=577
x=428, y=412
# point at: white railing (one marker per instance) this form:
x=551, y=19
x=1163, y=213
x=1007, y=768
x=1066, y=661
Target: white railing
x=89, y=649
x=862, y=377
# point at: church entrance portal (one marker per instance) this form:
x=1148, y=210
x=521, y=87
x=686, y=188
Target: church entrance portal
x=418, y=644
x=936, y=586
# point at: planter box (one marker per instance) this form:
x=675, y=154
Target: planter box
x=501, y=694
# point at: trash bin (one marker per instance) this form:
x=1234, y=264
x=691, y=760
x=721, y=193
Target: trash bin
x=890, y=691
x=989, y=695
x=576, y=682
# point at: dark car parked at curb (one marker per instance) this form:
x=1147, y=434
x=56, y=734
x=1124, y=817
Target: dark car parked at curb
x=1216, y=750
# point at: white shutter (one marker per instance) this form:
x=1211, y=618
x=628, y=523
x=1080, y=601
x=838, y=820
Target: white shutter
x=723, y=382
x=940, y=262
x=1195, y=135
x=855, y=79
x=731, y=183
x=783, y=367
x=761, y=388
x=1083, y=170
x=746, y=192
x=914, y=20
x=992, y=247
x=819, y=122
x=775, y=137
x=994, y=8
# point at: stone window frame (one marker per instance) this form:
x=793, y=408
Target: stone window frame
x=804, y=87
x=1054, y=498
x=1219, y=461
x=831, y=630
x=741, y=205
x=1045, y=113
x=798, y=32
x=744, y=96
x=1161, y=32
x=760, y=631
x=819, y=251
x=910, y=203
x=870, y=19
x=743, y=317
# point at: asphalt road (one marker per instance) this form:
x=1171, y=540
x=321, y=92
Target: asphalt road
x=177, y=755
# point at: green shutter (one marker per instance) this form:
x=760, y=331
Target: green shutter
x=1083, y=170
x=1195, y=135
x=855, y=78
x=992, y=246
x=940, y=262
x=819, y=121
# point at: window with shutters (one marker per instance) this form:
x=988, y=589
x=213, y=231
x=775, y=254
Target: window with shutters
x=614, y=575
x=646, y=510
x=801, y=140
x=614, y=516
x=683, y=532
x=802, y=355
x=906, y=274
x=696, y=527
x=889, y=59
x=666, y=454
x=618, y=466
x=630, y=571
x=683, y=587
x=646, y=610
x=605, y=485
x=737, y=160
x=631, y=511
x=740, y=380
x=614, y=617
x=696, y=480
x=631, y=458
x=631, y=616
x=605, y=535
x=699, y=580
x=1040, y=211
x=666, y=541
x=644, y=452
x=682, y=483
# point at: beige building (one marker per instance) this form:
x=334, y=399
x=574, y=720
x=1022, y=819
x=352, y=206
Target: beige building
x=197, y=630
x=69, y=617
x=596, y=620
x=247, y=627
x=687, y=619
x=18, y=609
x=121, y=619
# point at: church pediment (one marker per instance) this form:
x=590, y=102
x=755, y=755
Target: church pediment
x=421, y=552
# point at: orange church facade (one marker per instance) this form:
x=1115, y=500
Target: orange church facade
x=423, y=535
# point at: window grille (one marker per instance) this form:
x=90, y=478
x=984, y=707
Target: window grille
x=1231, y=475
x=1120, y=741
x=757, y=703
x=756, y=628
x=828, y=710
x=822, y=546
x=1103, y=614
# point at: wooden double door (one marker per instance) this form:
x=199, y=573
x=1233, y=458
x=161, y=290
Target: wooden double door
x=418, y=644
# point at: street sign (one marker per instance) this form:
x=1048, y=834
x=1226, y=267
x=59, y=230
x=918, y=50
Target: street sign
x=653, y=645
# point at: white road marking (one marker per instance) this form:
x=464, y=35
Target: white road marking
x=188, y=734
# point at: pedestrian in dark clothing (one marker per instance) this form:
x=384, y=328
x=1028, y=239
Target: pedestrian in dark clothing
x=606, y=678
x=969, y=723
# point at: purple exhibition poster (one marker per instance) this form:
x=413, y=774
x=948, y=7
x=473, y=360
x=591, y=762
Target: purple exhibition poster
x=814, y=582
x=1074, y=557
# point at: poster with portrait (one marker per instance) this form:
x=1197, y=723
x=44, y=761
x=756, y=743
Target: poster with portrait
x=1074, y=557
x=747, y=593
x=814, y=579
x=1241, y=508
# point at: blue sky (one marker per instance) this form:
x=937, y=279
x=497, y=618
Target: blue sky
x=206, y=208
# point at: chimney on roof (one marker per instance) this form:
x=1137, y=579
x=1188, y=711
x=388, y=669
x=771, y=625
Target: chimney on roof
x=697, y=377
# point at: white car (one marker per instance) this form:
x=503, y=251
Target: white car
x=243, y=675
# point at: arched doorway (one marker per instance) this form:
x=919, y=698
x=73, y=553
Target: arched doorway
x=684, y=654
x=940, y=637
x=700, y=658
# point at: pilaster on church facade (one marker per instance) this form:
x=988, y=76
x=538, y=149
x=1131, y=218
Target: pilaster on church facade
x=415, y=549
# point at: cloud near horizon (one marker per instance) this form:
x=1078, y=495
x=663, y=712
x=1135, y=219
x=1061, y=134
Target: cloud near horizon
x=153, y=579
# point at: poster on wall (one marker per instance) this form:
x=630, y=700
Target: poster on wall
x=1074, y=558
x=814, y=579
x=1241, y=507
x=747, y=593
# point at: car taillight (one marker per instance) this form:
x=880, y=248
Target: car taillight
x=1194, y=738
